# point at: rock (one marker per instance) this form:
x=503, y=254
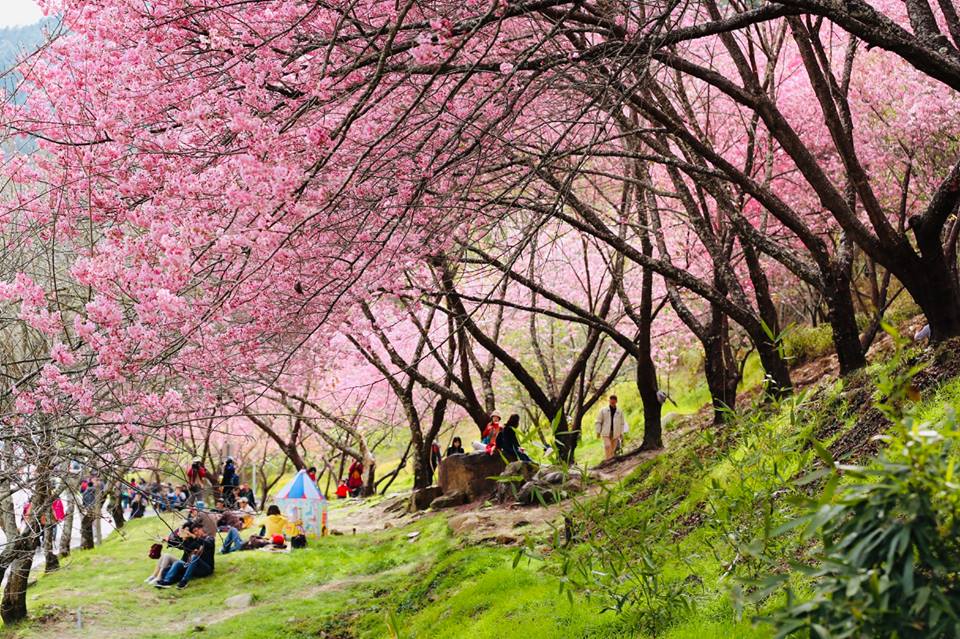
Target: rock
x=243, y=600
x=472, y=474
x=528, y=492
x=513, y=477
x=464, y=523
x=536, y=492
x=421, y=499
x=573, y=484
x=456, y=498
x=520, y=468
x=396, y=504
x=555, y=477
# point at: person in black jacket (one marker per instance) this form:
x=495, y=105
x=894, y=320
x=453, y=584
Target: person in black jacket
x=456, y=447
x=507, y=441
x=200, y=562
x=179, y=539
x=245, y=491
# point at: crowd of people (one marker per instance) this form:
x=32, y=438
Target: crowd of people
x=235, y=505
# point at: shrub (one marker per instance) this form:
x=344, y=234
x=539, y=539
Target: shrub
x=889, y=562
x=806, y=343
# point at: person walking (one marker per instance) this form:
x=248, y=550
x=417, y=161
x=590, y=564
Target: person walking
x=610, y=426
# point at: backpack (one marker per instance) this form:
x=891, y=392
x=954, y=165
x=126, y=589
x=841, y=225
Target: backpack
x=298, y=541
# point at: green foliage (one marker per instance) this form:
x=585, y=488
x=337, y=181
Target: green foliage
x=624, y=577
x=805, y=343
x=889, y=561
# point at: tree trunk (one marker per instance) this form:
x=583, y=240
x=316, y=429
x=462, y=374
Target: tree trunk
x=566, y=437
x=116, y=510
x=86, y=530
x=778, y=383
x=843, y=321
x=8, y=515
x=370, y=487
x=422, y=477
x=647, y=387
x=935, y=292
x=51, y=560
x=931, y=279
x=13, y=607
x=722, y=376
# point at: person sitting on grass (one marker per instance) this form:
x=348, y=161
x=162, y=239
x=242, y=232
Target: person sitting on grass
x=199, y=564
x=179, y=539
x=204, y=518
x=243, y=506
x=274, y=523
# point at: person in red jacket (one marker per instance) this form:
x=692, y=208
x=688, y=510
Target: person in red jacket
x=196, y=475
x=342, y=490
x=355, y=479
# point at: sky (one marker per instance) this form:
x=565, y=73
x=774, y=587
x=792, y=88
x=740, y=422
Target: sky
x=18, y=12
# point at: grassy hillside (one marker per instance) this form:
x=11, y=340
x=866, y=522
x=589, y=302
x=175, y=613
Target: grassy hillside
x=669, y=551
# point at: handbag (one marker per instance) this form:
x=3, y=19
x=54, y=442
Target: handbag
x=298, y=541
x=155, y=551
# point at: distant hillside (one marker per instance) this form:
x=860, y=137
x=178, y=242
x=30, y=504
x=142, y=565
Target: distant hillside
x=15, y=41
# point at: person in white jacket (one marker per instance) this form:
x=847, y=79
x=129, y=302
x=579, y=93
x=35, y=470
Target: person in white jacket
x=610, y=427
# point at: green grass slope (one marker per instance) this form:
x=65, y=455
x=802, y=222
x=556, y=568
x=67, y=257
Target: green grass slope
x=662, y=553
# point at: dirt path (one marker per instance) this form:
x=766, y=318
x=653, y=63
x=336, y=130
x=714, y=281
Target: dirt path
x=483, y=521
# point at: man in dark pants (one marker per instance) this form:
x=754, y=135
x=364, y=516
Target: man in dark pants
x=199, y=564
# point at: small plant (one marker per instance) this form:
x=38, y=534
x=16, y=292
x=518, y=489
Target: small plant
x=806, y=343
x=624, y=573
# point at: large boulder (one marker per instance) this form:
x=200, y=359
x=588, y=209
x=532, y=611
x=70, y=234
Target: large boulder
x=421, y=499
x=474, y=474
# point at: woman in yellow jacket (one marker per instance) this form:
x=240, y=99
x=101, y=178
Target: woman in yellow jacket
x=275, y=523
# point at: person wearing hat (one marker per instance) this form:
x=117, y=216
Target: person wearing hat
x=243, y=506
x=488, y=443
x=206, y=520
x=245, y=491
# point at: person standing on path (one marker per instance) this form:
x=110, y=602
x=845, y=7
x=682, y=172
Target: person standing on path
x=610, y=425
